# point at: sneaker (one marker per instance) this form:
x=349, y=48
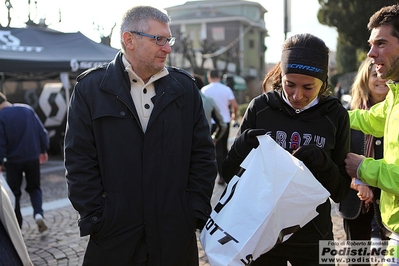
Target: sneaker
x=375, y=247
x=40, y=223
x=375, y=243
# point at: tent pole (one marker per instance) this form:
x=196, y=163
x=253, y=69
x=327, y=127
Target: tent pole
x=67, y=85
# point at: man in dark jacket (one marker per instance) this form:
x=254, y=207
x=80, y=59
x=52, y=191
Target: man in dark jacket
x=138, y=152
x=23, y=147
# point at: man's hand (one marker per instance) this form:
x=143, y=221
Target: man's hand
x=247, y=141
x=311, y=155
x=363, y=190
x=352, y=162
x=251, y=135
x=43, y=158
x=365, y=193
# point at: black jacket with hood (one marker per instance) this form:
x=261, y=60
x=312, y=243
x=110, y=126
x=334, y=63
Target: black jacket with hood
x=326, y=125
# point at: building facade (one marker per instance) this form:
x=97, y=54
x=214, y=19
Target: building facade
x=228, y=35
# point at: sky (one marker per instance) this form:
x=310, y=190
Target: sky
x=87, y=16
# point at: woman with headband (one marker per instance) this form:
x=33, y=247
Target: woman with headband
x=300, y=115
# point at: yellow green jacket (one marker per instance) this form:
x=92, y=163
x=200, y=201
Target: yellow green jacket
x=383, y=120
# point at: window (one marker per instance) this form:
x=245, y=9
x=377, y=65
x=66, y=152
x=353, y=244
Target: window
x=251, y=44
x=218, y=34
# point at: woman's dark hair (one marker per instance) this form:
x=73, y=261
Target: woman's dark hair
x=273, y=79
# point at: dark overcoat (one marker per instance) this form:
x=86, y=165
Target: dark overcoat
x=126, y=183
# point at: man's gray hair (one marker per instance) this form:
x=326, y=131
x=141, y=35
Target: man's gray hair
x=136, y=19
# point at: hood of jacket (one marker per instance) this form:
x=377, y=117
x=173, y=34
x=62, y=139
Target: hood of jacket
x=326, y=105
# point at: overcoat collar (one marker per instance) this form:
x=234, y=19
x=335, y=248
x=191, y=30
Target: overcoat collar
x=116, y=81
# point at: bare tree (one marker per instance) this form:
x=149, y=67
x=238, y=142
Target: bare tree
x=9, y=6
x=105, y=39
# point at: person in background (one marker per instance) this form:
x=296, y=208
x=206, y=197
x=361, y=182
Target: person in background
x=211, y=112
x=361, y=206
x=301, y=116
x=23, y=147
x=338, y=91
x=140, y=161
x=381, y=120
x=228, y=106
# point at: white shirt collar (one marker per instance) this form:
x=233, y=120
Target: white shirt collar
x=312, y=103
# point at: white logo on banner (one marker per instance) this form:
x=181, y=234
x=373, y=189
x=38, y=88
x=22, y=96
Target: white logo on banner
x=9, y=42
x=53, y=104
x=76, y=65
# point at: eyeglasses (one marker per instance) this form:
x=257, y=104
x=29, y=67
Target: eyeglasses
x=159, y=40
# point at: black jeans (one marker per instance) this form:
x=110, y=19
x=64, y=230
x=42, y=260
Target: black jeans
x=14, y=176
x=221, y=147
x=8, y=253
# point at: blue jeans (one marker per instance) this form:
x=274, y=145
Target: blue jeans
x=14, y=176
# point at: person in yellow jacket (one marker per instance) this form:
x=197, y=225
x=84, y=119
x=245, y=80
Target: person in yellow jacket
x=382, y=120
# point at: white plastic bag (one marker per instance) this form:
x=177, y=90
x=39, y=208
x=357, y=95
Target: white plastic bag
x=274, y=197
x=8, y=190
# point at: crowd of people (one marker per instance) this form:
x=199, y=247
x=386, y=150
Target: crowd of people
x=145, y=144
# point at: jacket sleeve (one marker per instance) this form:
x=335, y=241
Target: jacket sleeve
x=370, y=121
x=381, y=173
x=81, y=163
x=234, y=158
x=371, y=171
x=203, y=168
x=44, y=140
x=221, y=125
x=333, y=175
